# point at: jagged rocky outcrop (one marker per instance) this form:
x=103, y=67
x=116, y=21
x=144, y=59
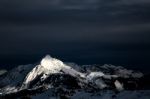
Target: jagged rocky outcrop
x=53, y=78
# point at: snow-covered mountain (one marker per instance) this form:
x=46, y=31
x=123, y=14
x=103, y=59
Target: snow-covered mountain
x=52, y=78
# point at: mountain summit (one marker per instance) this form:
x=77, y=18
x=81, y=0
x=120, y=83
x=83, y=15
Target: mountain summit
x=51, y=63
x=48, y=66
x=52, y=79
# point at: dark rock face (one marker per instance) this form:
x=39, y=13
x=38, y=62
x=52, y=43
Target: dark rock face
x=62, y=84
x=144, y=82
x=68, y=81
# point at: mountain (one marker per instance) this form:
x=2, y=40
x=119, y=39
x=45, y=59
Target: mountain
x=52, y=78
x=2, y=72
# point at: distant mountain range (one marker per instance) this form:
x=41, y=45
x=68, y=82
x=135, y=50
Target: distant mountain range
x=54, y=79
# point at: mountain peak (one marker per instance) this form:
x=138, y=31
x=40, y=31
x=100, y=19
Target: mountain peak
x=48, y=62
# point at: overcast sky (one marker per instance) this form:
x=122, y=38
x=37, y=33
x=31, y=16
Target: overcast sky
x=102, y=31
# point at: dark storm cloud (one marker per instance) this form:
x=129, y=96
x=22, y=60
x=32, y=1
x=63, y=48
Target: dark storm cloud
x=33, y=5
x=132, y=2
x=35, y=8
x=66, y=20
x=77, y=32
x=51, y=4
x=76, y=28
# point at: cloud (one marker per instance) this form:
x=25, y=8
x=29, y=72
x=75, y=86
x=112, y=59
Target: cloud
x=53, y=4
x=76, y=4
x=29, y=5
x=132, y=2
x=34, y=8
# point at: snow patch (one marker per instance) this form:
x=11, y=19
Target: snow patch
x=51, y=63
x=93, y=75
x=118, y=85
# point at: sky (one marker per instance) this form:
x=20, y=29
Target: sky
x=82, y=31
